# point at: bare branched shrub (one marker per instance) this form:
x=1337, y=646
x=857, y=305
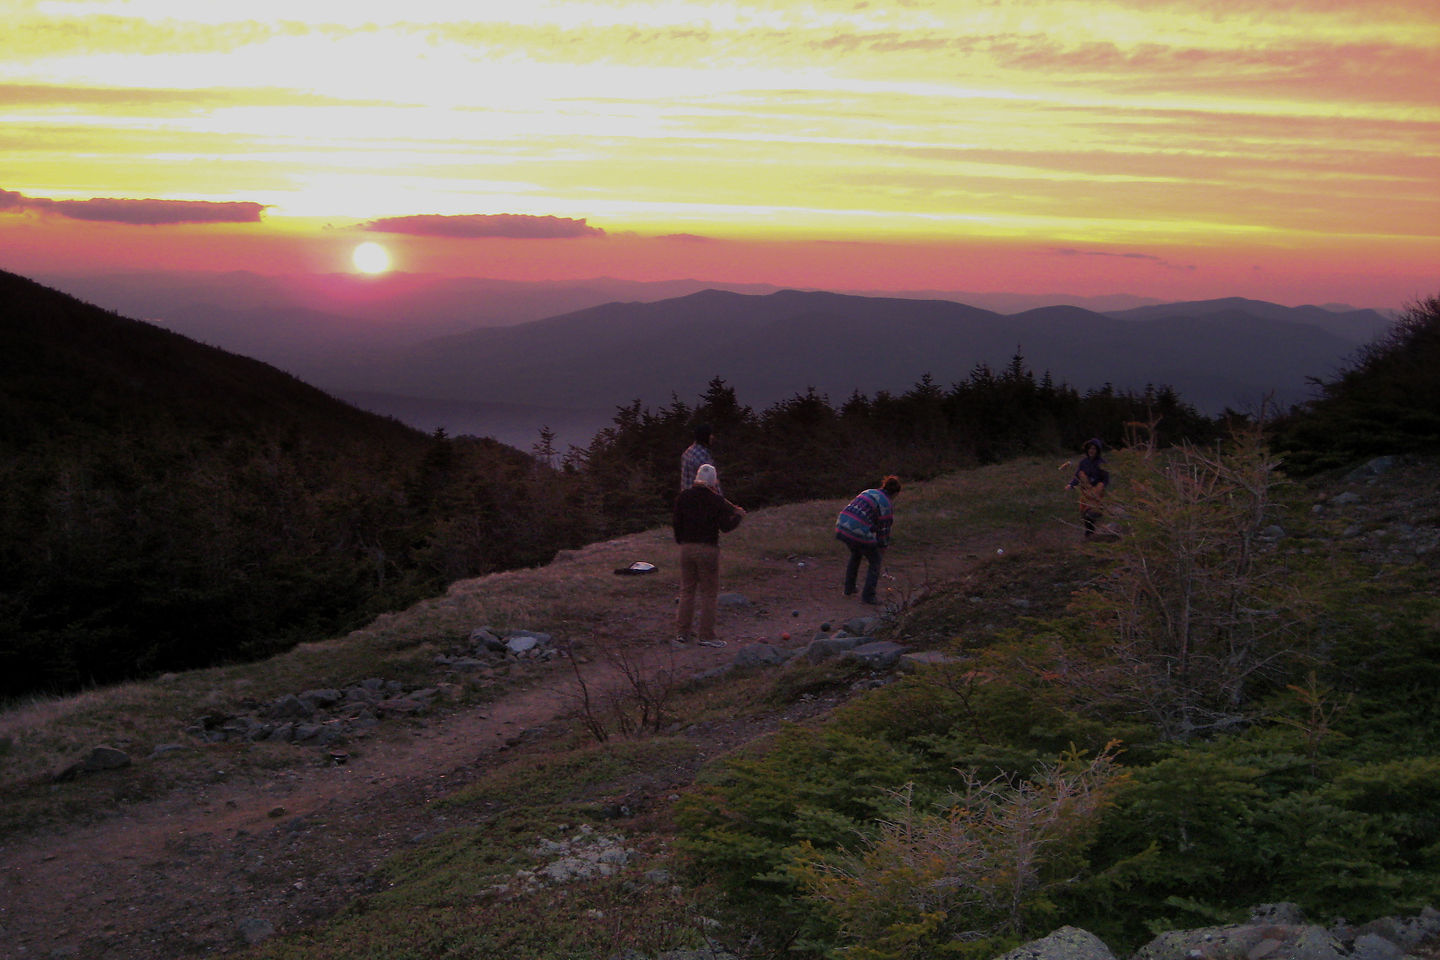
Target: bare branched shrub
x=634, y=697
x=969, y=872
x=901, y=595
x=1199, y=619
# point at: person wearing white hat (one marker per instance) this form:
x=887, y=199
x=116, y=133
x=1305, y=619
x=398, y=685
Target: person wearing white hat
x=701, y=515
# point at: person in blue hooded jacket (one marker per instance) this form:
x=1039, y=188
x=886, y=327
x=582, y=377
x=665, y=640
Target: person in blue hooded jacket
x=864, y=527
x=1091, y=478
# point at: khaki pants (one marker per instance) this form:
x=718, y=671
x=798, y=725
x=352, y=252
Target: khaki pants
x=699, y=584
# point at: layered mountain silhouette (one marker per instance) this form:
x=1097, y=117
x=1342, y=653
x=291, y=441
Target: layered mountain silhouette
x=502, y=359
x=1216, y=354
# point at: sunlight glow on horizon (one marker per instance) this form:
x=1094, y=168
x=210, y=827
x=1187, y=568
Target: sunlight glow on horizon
x=1059, y=122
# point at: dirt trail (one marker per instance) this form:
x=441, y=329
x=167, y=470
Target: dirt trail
x=176, y=876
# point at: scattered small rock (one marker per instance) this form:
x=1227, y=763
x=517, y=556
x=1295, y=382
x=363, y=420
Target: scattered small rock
x=253, y=930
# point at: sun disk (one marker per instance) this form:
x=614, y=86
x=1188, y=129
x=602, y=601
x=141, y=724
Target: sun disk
x=370, y=257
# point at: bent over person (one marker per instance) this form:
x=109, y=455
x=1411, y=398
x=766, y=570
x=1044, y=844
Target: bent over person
x=864, y=526
x=701, y=515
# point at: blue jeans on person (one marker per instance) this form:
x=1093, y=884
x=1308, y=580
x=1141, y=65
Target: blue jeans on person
x=871, y=553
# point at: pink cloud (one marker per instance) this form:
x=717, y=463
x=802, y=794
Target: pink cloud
x=138, y=212
x=512, y=225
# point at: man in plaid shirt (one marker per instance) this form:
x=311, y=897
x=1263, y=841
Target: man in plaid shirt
x=695, y=455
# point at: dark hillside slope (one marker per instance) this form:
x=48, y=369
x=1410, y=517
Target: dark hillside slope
x=1386, y=402
x=169, y=505
x=67, y=365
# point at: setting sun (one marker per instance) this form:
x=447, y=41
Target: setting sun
x=370, y=257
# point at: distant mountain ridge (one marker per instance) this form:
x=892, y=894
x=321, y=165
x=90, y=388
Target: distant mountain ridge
x=1347, y=322
x=1215, y=353
x=502, y=358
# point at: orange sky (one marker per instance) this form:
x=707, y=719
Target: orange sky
x=1286, y=150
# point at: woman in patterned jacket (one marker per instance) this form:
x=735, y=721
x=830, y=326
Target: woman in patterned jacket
x=864, y=527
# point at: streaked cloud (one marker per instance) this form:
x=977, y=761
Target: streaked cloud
x=137, y=212
x=512, y=225
x=1303, y=125
x=71, y=97
x=1147, y=257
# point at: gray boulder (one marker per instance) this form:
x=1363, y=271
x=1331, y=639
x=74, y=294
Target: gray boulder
x=823, y=648
x=161, y=749
x=521, y=645
x=762, y=655
x=253, y=930
x=486, y=637
x=877, y=654
x=1408, y=932
x=322, y=698
x=290, y=707
x=98, y=759
x=1255, y=941
x=919, y=660
x=1286, y=913
x=468, y=664
x=1067, y=943
x=106, y=758
x=1372, y=469
x=1370, y=946
x=861, y=626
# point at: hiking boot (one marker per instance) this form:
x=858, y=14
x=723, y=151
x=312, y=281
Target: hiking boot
x=681, y=640
x=712, y=643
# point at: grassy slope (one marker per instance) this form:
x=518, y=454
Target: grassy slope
x=441, y=896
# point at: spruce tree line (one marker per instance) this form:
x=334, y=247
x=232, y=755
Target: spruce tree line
x=807, y=447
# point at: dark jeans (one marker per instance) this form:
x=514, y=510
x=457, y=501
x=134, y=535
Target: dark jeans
x=858, y=552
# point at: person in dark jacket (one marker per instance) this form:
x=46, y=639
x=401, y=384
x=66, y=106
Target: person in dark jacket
x=1091, y=478
x=701, y=515
x=864, y=527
